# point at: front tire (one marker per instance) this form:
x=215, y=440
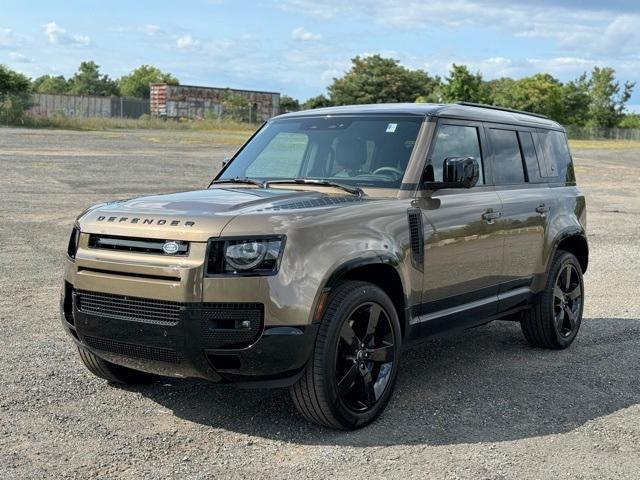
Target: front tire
x=554, y=320
x=111, y=372
x=352, y=372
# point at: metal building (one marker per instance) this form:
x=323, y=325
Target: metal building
x=187, y=101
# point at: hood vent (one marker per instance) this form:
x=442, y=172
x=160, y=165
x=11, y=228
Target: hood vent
x=317, y=202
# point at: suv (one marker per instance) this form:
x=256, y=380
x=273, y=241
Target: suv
x=332, y=239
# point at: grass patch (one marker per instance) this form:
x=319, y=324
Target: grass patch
x=145, y=122
x=604, y=144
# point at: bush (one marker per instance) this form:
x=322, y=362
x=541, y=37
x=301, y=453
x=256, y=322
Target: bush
x=631, y=120
x=13, y=108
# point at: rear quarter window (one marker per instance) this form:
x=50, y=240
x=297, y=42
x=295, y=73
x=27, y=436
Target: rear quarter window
x=556, y=153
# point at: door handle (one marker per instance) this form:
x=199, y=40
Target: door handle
x=542, y=208
x=490, y=215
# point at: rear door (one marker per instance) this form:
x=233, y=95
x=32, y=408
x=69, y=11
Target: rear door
x=462, y=244
x=517, y=174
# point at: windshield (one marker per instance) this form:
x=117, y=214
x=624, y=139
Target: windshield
x=363, y=151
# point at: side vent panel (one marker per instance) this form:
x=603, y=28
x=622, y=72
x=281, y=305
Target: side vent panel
x=416, y=234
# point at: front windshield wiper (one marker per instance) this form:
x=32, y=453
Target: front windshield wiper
x=244, y=180
x=311, y=181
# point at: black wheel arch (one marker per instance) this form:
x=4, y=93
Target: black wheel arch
x=379, y=270
x=572, y=240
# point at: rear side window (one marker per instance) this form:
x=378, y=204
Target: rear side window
x=454, y=141
x=507, y=161
x=556, y=152
x=530, y=157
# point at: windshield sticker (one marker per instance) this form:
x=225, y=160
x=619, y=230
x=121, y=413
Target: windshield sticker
x=391, y=128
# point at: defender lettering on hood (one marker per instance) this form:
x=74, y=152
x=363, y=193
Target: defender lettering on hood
x=146, y=221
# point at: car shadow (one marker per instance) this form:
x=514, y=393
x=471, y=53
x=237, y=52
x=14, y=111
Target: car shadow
x=484, y=385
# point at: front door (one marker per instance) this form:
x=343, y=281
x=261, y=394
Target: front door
x=463, y=248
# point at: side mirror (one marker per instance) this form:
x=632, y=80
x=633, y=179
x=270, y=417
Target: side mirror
x=460, y=172
x=225, y=161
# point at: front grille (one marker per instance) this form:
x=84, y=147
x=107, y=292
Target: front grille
x=158, y=312
x=231, y=325
x=145, y=352
x=137, y=245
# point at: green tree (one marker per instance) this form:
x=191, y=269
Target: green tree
x=540, y=93
x=319, y=101
x=136, y=84
x=607, y=99
x=375, y=79
x=50, y=84
x=88, y=81
x=630, y=120
x=501, y=92
x=576, y=101
x=15, y=91
x=13, y=83
x=463, y=86
x=289, y=104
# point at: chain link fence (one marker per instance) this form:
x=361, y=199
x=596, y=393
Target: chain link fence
x=602, y=133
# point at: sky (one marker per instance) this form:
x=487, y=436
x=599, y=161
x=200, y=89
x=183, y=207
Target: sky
x=298, y=46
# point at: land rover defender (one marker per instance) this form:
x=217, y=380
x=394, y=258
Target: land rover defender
x=331, y=240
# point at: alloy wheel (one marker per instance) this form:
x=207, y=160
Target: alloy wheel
x=567, y=300
x=364, y=357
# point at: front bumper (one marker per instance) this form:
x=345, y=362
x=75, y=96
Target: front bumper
x=191, y=345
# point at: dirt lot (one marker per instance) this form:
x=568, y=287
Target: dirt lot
x=481, y=405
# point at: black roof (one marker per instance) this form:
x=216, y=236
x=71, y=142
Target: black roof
x=485, y=113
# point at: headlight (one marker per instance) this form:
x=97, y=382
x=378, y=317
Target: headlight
x=251, y=256
x=72, y=247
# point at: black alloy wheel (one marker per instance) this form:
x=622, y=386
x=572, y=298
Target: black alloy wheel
x=364, y=357
x=554, y=319
x=567, y=300
x=350, y=376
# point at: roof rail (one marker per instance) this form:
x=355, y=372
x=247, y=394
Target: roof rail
x=504, y=109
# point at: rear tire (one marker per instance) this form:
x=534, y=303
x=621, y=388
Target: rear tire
x=554, y=320
x=352, y=372
x=111, y=372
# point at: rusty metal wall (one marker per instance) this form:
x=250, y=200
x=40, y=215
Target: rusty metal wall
x=46, y=104
x=186, y=101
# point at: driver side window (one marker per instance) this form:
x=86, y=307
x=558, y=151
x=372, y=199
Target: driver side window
x=454, y=141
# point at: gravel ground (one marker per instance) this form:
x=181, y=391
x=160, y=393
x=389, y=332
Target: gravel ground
x=479, y=405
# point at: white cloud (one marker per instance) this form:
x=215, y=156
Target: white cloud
x=58, y=35
x=188, y=43
x=19, y=58
x=623, y=35
x=152, y=30
x=592, y=30
x=304, y=35
x=9, y=39
x=323, y=10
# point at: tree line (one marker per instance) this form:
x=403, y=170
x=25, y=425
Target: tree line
x=594, y=99
x=88, y=80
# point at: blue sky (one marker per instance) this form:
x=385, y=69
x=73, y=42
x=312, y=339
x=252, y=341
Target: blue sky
x=298, y=46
